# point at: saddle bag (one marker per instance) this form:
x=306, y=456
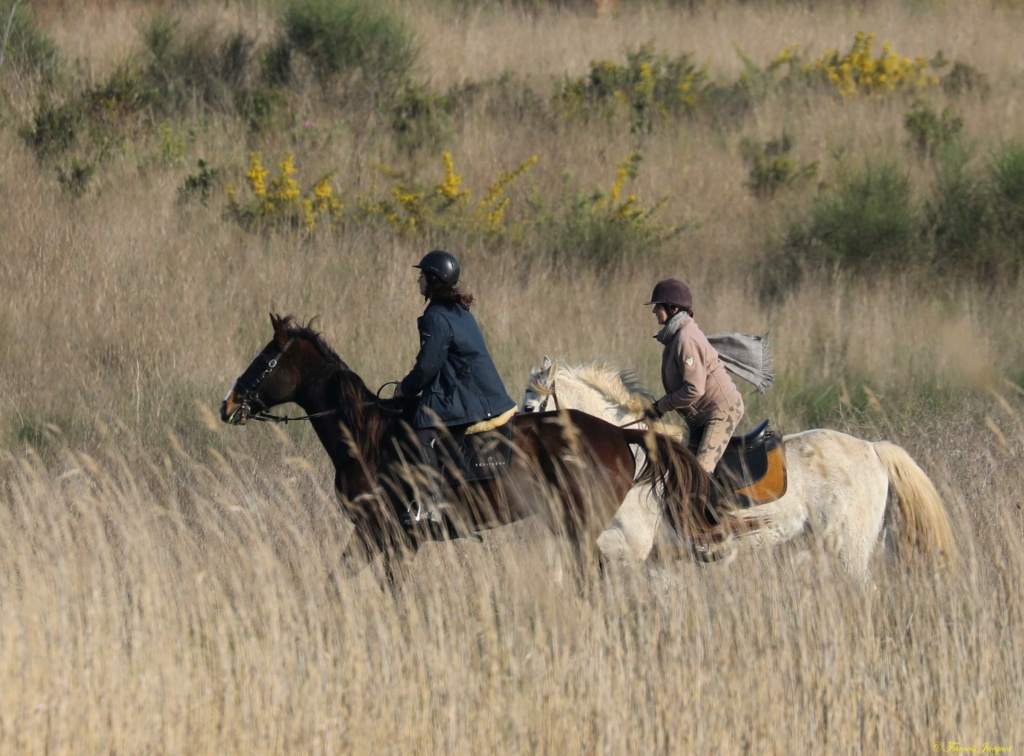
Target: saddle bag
x=753, y=468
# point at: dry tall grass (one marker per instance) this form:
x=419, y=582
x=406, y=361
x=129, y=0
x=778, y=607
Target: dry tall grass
x=166, y=582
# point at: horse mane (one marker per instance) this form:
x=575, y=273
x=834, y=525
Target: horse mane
x=619, y=385
x=313, y=336
x=358, y=410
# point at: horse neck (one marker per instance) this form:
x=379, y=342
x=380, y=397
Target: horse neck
x=353, y=437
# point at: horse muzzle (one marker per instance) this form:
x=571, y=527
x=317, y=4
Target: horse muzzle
x=232, y=411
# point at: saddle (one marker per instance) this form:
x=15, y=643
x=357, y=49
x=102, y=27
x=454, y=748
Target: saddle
x=485, y=452
x=753, y=468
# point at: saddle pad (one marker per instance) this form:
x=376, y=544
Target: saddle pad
x=754, y=472
x=495, y=422
x=485, y=455
x=771, y=486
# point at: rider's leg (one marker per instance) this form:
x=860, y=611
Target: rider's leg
x=716, y=436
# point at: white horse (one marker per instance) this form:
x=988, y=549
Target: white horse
x=840, y=488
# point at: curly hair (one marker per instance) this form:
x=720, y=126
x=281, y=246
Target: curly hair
x=438, y=291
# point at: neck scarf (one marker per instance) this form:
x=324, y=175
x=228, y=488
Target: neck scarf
x=671, y=326
x=745, y=356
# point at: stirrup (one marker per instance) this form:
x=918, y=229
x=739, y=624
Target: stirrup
x=416, y=513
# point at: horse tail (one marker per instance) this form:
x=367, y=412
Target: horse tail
x=673, y=471
x=925, y=524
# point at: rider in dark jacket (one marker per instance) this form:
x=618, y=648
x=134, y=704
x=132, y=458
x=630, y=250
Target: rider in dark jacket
x=454, y=373
x=453, y=370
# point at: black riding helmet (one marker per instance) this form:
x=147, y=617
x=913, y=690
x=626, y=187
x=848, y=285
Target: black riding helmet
x=442, y=265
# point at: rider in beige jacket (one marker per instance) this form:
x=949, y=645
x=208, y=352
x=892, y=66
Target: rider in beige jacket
x=696, y=383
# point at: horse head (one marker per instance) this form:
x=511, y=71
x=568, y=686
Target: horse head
x=539, y=387
x=276, y=374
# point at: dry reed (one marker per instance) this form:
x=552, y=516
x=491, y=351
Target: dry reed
x=168, y=584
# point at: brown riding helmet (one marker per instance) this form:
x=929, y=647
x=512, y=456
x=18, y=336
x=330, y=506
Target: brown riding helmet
x=672, y=291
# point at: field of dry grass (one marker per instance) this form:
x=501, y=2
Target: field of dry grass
x=167, y=583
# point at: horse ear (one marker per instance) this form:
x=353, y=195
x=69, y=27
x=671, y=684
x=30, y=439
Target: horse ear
x=546, y=365
x=280, y=330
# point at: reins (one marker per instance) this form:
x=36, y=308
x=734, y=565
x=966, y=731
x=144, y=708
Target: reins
x=266, y=417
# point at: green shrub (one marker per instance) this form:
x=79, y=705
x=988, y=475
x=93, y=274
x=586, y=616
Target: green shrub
x=54, y=128
x=193, y=67
x=75, y=178
x=603, y=230
x=346, y=36
x=1006, y=168
x=652, y=86
x=198, y=186
x=868, y=219
x=958, y=214
x=930, y=131
x=963, y=78
x=771, y=166
x=418, y=119
x=865, y=224
x=23, y=46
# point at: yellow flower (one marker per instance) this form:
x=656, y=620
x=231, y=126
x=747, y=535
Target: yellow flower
x=257, y=176
x=449, y=188
x=285, y=188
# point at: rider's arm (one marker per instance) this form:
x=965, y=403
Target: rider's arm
x=690, y=361
x=435, y=338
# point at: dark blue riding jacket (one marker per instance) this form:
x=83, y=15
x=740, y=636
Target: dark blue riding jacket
x=454, y=371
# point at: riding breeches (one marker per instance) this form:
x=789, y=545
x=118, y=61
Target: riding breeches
x=714, y=436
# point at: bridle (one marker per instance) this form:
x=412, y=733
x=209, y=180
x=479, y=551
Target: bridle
x=247, y=385
x=548, y=396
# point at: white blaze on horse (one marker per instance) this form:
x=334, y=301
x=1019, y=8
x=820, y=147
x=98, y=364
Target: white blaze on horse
x=850, y=493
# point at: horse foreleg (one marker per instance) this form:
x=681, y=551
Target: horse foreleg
x=375, y=532
x=628, y=541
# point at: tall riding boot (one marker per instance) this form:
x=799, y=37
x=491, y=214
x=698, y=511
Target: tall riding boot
x=426, y=506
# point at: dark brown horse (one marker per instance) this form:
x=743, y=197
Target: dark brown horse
x=570, y=467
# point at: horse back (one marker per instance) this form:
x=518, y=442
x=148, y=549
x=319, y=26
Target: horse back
x=564, y=435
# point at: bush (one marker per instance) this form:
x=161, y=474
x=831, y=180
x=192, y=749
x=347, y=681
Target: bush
x=186, y=68
x=771, y=166
x=277, y=205
x=964, y=78
x=958, y=214
x=602, y=229
x=653, y=86
x=54, y=129
x=418, y=119
x=857, y=72
x=76, y=177
x=865, y=224
x=346, y=36
x=930, y=131
x=869, y=218
x=23, y=46
x=418, y=210
x=1006, y=168
x=198, y=186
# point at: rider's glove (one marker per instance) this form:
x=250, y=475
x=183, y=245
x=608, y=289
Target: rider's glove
x=652, y=413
